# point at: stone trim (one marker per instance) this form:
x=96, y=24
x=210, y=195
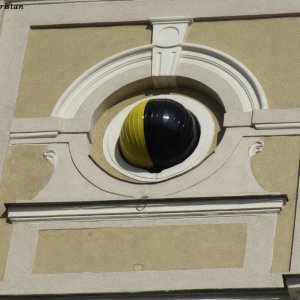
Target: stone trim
x=19, y=280
x=295, y=258
x=157, y=209
x=196, y=8
x=278, y=126
x=242, y=90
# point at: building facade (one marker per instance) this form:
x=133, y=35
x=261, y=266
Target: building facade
x=81, y=218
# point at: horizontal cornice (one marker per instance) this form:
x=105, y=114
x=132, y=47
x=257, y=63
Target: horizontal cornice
x=144, y=208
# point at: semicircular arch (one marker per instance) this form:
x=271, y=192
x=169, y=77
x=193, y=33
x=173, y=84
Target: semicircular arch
x=236, y=86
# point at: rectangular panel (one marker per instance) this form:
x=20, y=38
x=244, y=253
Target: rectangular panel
x=116, y=249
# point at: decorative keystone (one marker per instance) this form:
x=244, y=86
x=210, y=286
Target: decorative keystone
x=167, y=36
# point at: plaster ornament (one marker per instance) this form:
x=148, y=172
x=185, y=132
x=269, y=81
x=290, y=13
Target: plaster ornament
x=50, y=155
x=256, y=148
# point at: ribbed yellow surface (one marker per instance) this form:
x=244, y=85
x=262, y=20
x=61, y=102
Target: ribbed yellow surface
x=132, y=138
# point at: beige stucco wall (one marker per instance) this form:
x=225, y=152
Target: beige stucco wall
x=54, y=58
x=268, y=47
x=276, y=169
x=26, y=172
x=141, y=248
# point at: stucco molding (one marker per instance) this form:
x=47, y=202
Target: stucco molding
x=270, y=126
x=50, y=155
x=256, y=148
x=292, y=282
x=295, y=259
x=241, y=79
x=167, y=36
x=220, y=162
x=78, y=178
x=270, y=116
x=268, y=119
x=34, y=135
x=13, y=38
x=67, y=182
x=19, y=279
x=234, y=83
x=34, y=125
x=142, y=9
x=77, y=93
x=20, y=213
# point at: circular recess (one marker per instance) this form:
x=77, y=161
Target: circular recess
x=158, y=134
x=169, y=36
x=196, y=148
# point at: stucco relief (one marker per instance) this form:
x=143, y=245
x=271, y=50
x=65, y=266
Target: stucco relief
x=224, y=79
x=220, y=189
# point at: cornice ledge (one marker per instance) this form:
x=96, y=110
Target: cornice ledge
x=171, y=20
x=292, y=282
x=144, y=208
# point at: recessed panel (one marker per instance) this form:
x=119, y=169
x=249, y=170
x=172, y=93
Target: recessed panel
x=124, y=249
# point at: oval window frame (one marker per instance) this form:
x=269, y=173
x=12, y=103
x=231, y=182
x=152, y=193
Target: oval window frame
x=115, y=159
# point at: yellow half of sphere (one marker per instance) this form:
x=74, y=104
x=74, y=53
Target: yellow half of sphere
x=132, y=138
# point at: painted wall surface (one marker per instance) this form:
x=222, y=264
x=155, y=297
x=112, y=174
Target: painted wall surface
x=276, y=170
x=268, y=47
x=26, y=172
x=56, y=57
x=141, y=248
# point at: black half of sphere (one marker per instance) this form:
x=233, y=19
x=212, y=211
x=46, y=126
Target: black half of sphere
x=171, y=132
